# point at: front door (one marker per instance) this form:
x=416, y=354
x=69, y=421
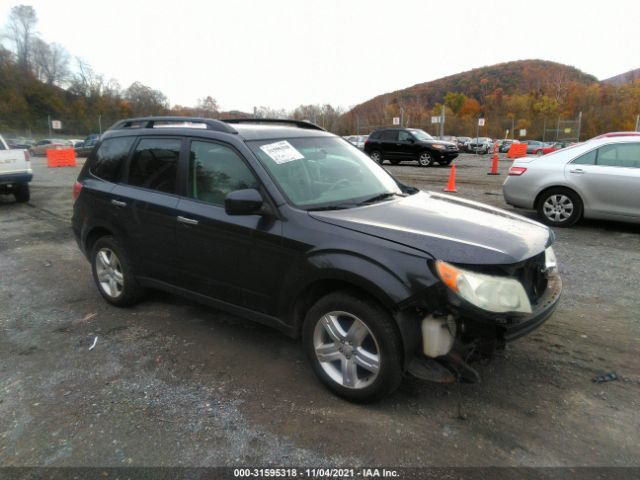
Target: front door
x=232, y=258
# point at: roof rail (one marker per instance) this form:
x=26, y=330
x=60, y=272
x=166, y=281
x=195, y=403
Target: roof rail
x=286, y=121
x=150, y=122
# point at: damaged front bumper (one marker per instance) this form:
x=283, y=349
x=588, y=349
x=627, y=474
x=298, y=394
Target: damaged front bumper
x=451, y=340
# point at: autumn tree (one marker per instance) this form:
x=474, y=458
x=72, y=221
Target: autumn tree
x=21, y=31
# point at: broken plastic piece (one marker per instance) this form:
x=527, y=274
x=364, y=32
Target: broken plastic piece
x=606, y=377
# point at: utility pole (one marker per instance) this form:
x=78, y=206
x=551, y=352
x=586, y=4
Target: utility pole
x=401, y=116
x=513, y=128
x=579, y=124
x=100, y=124
x=637, y=123
x=442, y=118
x=49, y=124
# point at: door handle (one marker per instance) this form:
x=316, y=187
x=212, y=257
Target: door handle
x=188, y=221
x=577, y=170
x=118, y=203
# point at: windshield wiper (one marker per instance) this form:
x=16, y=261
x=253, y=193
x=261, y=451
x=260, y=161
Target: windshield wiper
x=380, y=197
x=337, y=206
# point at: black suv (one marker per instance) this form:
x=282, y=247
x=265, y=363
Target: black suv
x=288, y=225
x=399, y=144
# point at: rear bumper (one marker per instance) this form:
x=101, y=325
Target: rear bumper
x=517, y=195
x=15, y=178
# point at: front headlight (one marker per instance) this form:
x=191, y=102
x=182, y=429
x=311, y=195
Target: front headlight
x=489, y=292
x=437, y=146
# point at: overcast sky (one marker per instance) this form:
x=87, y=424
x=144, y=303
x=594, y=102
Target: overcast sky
x=283, y=53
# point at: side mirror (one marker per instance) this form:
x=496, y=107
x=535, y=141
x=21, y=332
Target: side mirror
x=243, y=202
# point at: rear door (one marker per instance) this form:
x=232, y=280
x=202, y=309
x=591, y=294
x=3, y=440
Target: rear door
x=608, y=179
x=390, y=146
x=236, y=259
x=146, y=204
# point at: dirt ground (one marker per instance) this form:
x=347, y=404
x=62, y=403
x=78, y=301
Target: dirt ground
x=173, y=383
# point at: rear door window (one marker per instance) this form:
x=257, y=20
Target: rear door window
x=621, y=155
x=110, y=157
x=154, y=164
x=390, y=136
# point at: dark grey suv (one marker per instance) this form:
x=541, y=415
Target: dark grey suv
x=288, y=225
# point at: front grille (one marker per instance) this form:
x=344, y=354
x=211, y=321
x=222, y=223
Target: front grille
x=533, y=277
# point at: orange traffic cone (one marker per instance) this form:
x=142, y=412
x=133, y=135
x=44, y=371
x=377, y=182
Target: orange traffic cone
x=451, y=186
x=494, y=165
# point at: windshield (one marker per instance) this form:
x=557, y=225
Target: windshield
x=421, y=135
x=317, y=172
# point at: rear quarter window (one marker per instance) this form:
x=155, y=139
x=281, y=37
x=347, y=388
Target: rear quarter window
x=109, y=158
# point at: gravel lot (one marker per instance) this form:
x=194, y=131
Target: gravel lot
x=172, y=383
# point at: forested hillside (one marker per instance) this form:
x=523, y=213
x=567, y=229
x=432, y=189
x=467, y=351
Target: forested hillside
x=526, y=94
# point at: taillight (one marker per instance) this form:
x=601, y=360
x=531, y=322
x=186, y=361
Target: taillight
x=517, y=171
x=77, y=188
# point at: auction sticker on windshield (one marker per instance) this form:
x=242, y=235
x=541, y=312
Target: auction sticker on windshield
x=281, y=152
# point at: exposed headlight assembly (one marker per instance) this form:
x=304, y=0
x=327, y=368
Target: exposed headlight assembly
x=550, y=262
x=489, y=292
x=438, y=146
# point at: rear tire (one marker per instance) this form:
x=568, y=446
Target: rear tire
x=376, y=156
x=113, y=273
x=559, y=207
x=359, y=344
x=22, y=193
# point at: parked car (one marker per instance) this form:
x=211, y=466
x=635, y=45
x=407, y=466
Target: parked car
x=617, y=134
x=87, y=145
x=41, y=147
x=506, y=145
x=535, y=147
x=76, y=142
x=461, y=142
x=401, y=144
x=552, y=147
x=285, y=224
x=595, y=179
x=20, y=143
x=357, y=140
x=480, y=145
x=15, y=172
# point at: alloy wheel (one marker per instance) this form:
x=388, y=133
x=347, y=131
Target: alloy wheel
x=558, y=208
x=346, y=349
x=109, y=272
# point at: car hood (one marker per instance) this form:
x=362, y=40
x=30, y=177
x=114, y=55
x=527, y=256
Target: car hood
x=447, y=228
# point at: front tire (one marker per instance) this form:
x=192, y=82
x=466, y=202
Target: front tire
x=559, y=207
x=376, y=156
x=22, y=193
x=425, y=159
x=354, y=346
x=113, y=274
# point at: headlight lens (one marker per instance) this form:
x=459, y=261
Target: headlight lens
x=550, y=262
x=437, y=146
x=489, y=292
